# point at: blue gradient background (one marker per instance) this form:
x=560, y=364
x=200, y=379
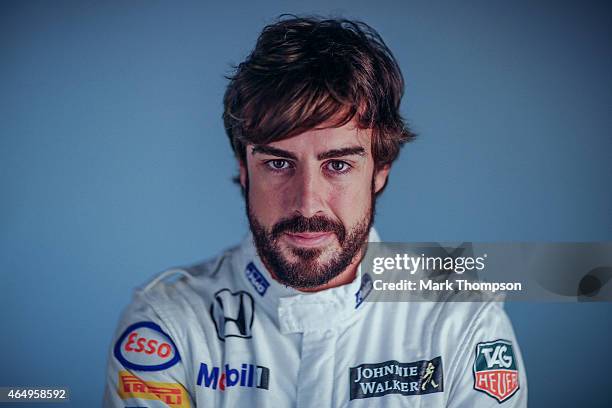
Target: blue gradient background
x=115, y=166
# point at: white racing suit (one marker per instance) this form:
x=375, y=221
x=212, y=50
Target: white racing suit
x=225, y=334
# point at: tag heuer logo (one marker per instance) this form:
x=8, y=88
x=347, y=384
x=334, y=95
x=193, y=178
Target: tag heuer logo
x=393, y=377
x=495, y=371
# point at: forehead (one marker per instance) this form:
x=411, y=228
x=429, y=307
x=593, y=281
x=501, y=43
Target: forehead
x=322, y=139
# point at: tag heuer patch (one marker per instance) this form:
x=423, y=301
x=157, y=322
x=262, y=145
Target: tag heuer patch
x=495, y=370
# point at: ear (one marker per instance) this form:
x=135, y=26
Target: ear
x=243, y=174
x=380, y=178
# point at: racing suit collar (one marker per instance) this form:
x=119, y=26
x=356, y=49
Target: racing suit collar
x=298, y=312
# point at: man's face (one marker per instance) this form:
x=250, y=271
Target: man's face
x=310, y=202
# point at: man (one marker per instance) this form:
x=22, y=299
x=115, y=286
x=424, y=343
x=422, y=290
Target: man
x=313, y=117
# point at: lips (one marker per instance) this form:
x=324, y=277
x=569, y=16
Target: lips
x=308, y=239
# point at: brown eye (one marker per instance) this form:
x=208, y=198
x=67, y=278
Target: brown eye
x=278, y=164
x=338, y=166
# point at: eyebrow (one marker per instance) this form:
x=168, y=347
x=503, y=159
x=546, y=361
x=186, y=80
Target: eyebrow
x=330, y=154
x=345, y=151
x=273, y=151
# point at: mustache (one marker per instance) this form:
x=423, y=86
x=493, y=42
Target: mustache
x=318, y=223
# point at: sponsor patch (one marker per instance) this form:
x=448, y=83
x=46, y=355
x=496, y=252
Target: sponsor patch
x=172, y=394
x=233, y=314
x=248, y=375
x=259, y=282
x=364, y=290
x=392, y=377
x=144, y=346
x=495, y=370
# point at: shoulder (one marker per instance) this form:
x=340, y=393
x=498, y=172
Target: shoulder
x=451, y=329
x=482, y=352
x=453, y=318
x=457, y=326
x=175, y=301
x=178, y=295
x=466, y=317
x=167, y=319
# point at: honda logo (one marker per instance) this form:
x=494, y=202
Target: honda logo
x=233, y=313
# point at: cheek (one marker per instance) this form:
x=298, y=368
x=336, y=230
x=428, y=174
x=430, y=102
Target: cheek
x=266, y=202
x=350, y=203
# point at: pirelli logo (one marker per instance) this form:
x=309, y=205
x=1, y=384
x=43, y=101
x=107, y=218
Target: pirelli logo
x=172, y=394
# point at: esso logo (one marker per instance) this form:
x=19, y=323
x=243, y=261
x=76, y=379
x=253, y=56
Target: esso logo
x=136, y=344
x=144, y=346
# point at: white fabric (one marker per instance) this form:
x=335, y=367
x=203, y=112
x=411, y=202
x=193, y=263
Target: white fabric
x=301, y=346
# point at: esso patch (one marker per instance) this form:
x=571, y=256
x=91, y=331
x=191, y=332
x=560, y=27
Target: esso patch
x=144, y=346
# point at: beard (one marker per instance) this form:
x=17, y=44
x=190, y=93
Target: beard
x=309, y=267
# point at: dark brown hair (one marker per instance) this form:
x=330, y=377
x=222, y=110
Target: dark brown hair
x=307, y=71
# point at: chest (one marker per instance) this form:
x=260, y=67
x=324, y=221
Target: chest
x=368, y=362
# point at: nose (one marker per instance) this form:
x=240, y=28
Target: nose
x=308, y=191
